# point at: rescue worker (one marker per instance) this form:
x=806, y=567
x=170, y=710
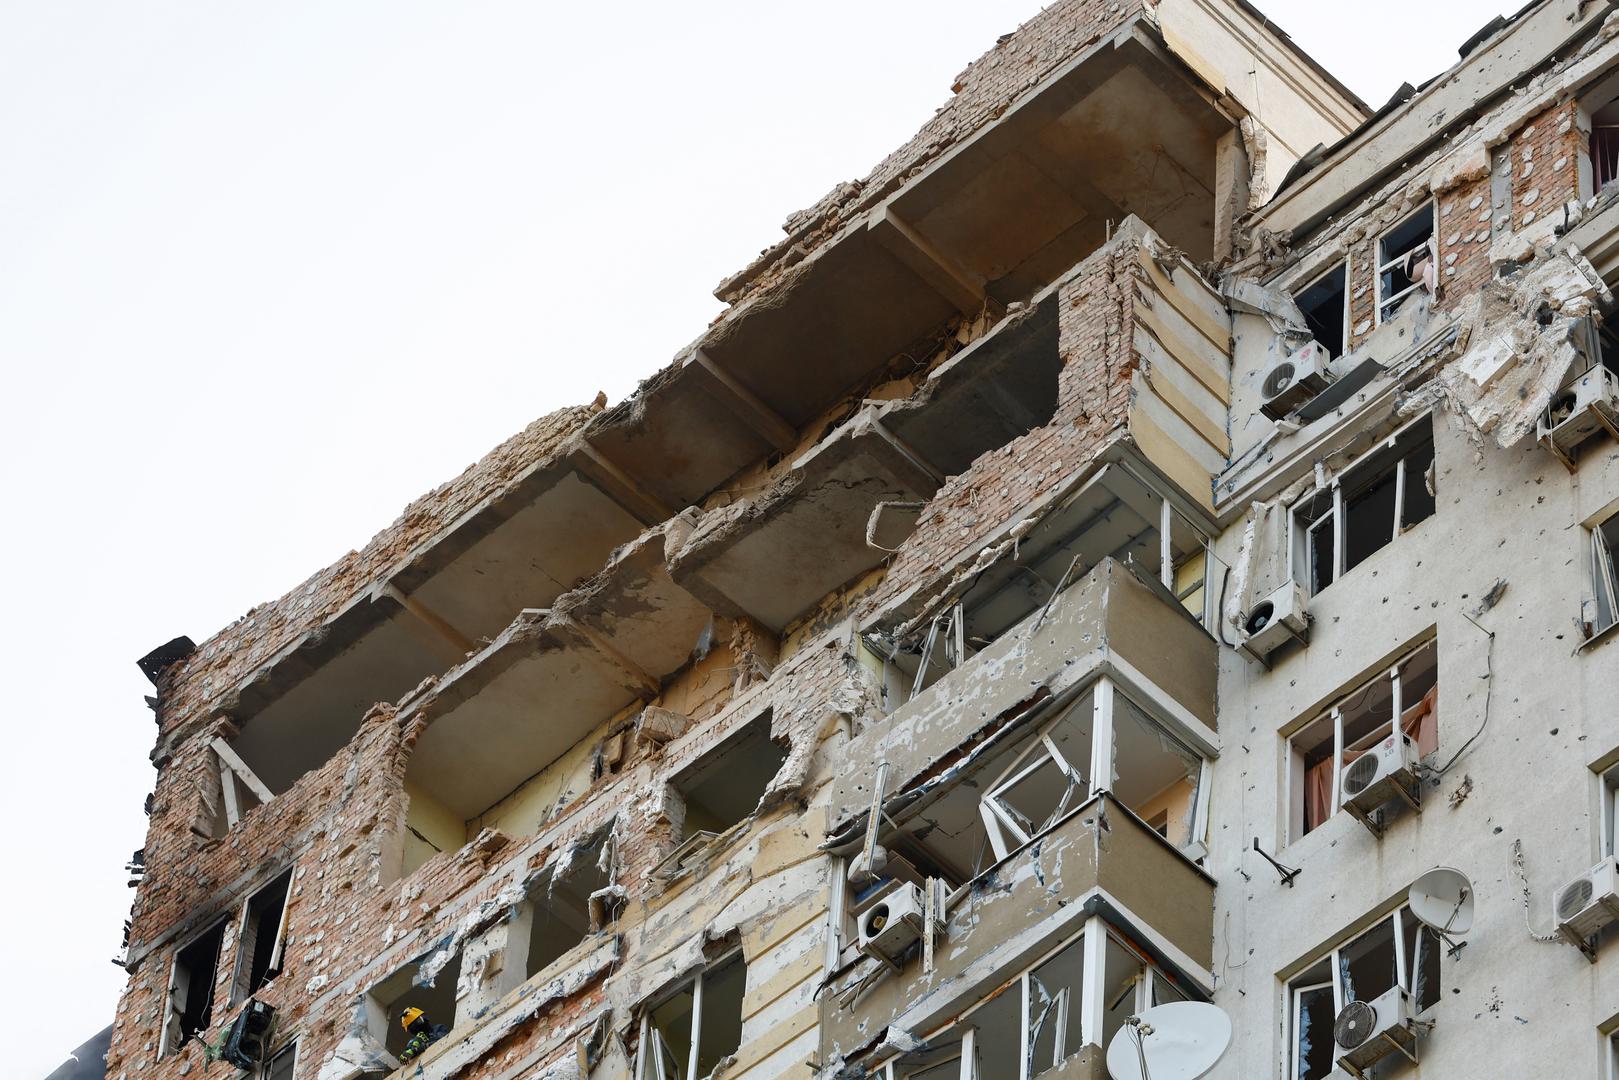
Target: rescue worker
x=422, y=1033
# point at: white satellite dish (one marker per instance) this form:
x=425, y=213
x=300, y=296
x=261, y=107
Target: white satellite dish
x=1179, y=1041
x=1442, y=900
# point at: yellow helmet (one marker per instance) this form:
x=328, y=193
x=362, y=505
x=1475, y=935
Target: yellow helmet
x=409, y=1017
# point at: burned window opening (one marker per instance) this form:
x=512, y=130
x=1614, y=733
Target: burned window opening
x=1396, y=951
x=1116, y=515
x=190, y=1006
x=1366, y=507
x=1354, y=724
x=559, y=905
x=687, y=1034
x=262, y=943
x=1405, y=261
x=1325, y=304
x=386, y=1002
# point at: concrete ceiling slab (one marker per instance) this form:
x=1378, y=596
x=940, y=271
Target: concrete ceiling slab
x=513, y=709
x=775, y=556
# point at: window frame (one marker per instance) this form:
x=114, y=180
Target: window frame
x=1006, y=834
x=1383, y=266
x=1092, y=939
x=1401, y=443
x=1406, y=970
x=1343, y=264
x=1295, y=786
x=288, y=1047
x=172, y=1014
x=646, y=1029
x=242, y=965
x=1604, y=569
x=1608, y=823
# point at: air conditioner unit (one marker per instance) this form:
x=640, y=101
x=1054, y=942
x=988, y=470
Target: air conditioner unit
x=1589, y=902
x=1279, y=617
x=1368, y=1031
x=1291, y=382
x=1581, y=409
x=1386, y=771
x=893, y=924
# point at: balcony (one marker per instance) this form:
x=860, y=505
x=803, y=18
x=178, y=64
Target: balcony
x=1100, y=913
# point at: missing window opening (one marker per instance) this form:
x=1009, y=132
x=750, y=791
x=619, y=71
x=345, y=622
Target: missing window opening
x=1325, y=304
x=259, y=951
x=388, y=999
x=191, y=988
x=724, y=786
x=559, y=905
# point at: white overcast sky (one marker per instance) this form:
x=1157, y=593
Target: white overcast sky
x=270, y=270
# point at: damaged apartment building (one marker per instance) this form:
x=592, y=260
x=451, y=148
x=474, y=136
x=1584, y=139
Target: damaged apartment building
x=1150, y=542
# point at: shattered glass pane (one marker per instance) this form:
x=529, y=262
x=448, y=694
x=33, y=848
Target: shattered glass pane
x=1313, y=1046
x=1055, y=995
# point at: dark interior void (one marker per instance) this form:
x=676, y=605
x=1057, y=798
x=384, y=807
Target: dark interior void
x=560, y=906
x=1326, y=309
x=1116, y=515
x=1313, y=1017
x=259, y=949
x=1395, y=276
x=1402, y=474
x=397, y=992
x=726, y=784
x=191, y=993
x=719, y=1025
x=1608, y=338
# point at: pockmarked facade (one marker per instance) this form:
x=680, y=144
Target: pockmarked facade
x=1110, y=555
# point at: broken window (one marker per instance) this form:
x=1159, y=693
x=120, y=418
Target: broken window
x=1613, y=1056
x=1077, y=994
x=1117, y=514
x=1325, y=304
x=1135, y=758
x=688, y=1033
x=559, y=905
x=1396, y=951
x=1356, y=722
x=406, y=988
x=281, y=1063
x=722, y=789
x=1604, y=611
x=1605, y=145
x=239, y=790
x=1365, y=507
x=262, y=942
x=190, y=1007
x=1405, y=261
x=1610, y=813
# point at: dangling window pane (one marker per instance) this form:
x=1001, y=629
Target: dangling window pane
x=1055, y=990
x=1154, y=772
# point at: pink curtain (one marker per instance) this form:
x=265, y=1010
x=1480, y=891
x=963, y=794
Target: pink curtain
x=1421, y=722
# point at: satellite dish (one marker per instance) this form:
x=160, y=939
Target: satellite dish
x=1442, y=900
x=1179, y=1041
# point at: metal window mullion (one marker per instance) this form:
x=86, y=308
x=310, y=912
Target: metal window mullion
x=837, y=911
x=1397, y=696
x=1025, y=1036
x=1102, y=736
x=1166, y=550
x=969, y=1053
x=1337, y=531
x=1603, y=574
x=696, y=1027
x=1200, y=807
x=1091, y=1017
x=1338, y=1001
x=1402, y=963
x=1337, y=759
x=641, y=1048
x=1399, y=498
